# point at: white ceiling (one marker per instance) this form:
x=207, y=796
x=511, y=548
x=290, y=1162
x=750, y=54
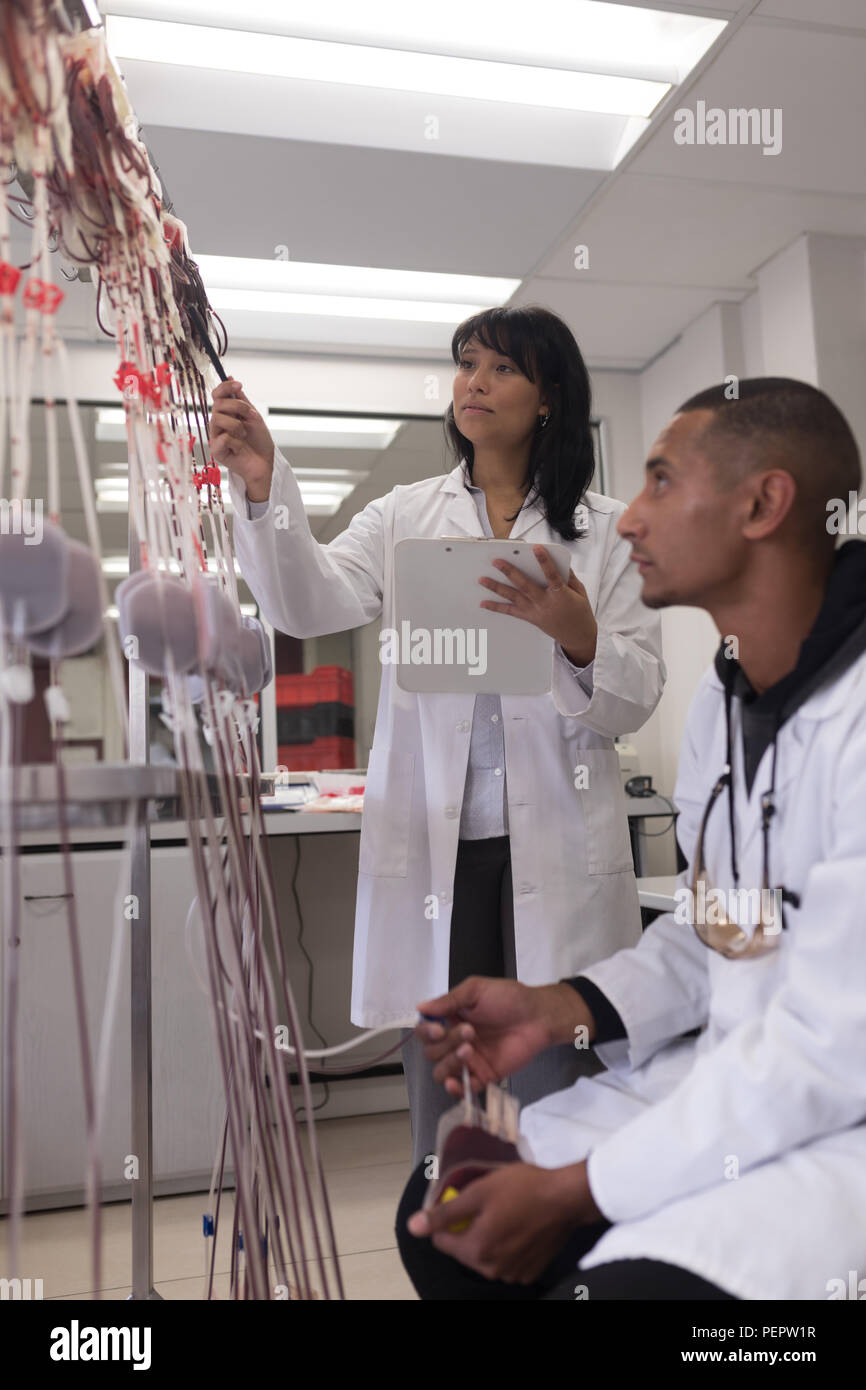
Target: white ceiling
x=338, y=178
x=670, y=231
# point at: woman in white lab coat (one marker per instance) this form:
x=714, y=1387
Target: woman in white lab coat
x=482, y=851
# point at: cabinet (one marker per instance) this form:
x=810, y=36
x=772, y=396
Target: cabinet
x=188, y=1102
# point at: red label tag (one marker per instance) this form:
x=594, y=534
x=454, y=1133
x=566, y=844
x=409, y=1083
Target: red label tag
x=127, y=379
x=39, y=294
x=9, y=277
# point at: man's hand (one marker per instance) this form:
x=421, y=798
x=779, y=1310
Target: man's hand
x=561, y=608
x=495, y=1027
x=239, y=438
x=519, y=1219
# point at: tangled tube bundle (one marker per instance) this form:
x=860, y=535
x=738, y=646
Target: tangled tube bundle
x=93, y=198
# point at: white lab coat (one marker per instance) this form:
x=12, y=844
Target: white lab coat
x=575, y=899
x=741, y=1154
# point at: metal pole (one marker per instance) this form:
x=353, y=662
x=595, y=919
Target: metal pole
x=268, y=707
x=141, y=1002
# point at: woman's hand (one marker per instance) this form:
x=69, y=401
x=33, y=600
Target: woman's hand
x=239, y=438
x=562, y=610
x=495, y=1027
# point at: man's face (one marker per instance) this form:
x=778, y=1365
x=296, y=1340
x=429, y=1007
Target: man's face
x=686, y=533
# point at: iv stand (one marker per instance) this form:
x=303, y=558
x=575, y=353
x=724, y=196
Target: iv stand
x=113, y=787
x=141, y=994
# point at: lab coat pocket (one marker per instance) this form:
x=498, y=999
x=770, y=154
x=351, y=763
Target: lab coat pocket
x=386, y=821
x=608, y=846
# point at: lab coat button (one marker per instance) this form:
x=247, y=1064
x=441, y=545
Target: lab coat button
x=494, y=718
x=497, y=772
x=451, y=812
x=445, y=897
x=463, y=726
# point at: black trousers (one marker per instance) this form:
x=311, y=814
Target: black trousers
x=439, y=1276
x=482, y=943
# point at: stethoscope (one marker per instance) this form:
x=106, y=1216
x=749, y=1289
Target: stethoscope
x=727, y=936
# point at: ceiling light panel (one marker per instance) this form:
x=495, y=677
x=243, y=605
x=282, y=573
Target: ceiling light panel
x=344, y=306
x=401, y=70
x=565, y=83
x=583, y=35
x=401, y=306
x=375, y=282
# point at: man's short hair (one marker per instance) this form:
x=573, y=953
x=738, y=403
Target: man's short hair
x=777, y=422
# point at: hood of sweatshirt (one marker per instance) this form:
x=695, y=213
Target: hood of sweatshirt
x=836, y=640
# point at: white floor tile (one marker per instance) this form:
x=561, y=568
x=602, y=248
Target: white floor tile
x=367, y=1160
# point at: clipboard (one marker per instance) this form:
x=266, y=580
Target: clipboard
x=443, y=641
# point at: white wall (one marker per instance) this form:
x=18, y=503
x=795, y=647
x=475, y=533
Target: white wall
x=709, y=349
x=787, y=314
x=807, y=319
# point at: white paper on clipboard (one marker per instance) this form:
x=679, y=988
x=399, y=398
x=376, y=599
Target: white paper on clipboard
x=443, y=641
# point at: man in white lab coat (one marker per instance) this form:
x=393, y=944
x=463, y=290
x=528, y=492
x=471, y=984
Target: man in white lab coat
x=723, y=1152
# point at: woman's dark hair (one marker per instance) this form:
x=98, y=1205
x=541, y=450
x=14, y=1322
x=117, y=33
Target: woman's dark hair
x=561, y=459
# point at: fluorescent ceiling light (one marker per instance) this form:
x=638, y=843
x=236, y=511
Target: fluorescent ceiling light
x=359, y=65
x=299, y=431
x=111, y=424
x=307, y=431
x=322, y=492
x=340, y=306
x=329, y=474
x=246, y=284
x=585, y=34
x=115, y=497
x=324, y=432
x=331, y=424
x=112, y=494
x=116, y=566
x=249, y=610
x=372, y=282
x=113, y=416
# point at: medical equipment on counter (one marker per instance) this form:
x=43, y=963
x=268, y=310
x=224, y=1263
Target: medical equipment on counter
x=629, y=762
x=640, y=786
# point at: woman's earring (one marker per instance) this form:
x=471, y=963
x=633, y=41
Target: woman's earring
x=545, y=420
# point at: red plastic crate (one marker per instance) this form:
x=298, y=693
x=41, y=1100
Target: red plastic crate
x=321, y=755
x=323, y=684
